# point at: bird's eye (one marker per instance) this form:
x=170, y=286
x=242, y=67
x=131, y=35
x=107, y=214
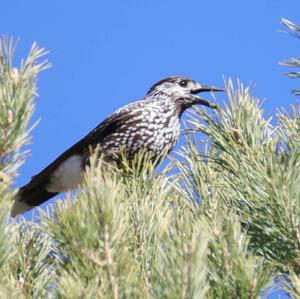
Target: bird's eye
x=183, y=83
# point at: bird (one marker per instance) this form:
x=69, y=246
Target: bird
x=151, y=124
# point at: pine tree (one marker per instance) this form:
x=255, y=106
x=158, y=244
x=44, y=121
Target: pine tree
x=220, y=220
x=24, y=248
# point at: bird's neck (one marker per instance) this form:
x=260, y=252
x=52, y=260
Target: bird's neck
x=168, y=102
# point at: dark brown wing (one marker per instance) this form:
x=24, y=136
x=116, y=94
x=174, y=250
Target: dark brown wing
x=104, y=129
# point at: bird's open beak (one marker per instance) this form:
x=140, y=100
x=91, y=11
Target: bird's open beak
x=205, y=88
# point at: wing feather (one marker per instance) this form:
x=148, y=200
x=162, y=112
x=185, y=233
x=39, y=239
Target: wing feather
x=104, y=129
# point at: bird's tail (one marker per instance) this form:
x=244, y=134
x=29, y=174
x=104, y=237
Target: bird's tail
x=28, y=197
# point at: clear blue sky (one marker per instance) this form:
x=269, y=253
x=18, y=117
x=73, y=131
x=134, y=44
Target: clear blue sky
x=108, y=53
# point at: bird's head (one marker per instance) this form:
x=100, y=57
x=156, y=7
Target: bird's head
x=183, y=91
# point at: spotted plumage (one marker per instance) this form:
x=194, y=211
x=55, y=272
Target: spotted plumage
x=151, y=124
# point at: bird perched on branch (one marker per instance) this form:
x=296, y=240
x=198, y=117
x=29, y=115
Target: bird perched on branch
x=151, y=124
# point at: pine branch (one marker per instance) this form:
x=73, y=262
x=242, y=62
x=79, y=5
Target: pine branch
x=252, y=169
x=294, y=61
x=22, y=272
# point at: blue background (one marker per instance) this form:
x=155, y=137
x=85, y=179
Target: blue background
x=108, y=53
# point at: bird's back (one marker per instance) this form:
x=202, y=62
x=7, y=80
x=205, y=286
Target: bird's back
x=152, y=125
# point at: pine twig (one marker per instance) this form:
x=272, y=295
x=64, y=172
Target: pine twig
x=110, y=265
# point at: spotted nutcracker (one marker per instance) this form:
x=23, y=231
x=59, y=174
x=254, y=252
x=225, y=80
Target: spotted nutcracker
x=151, y=124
